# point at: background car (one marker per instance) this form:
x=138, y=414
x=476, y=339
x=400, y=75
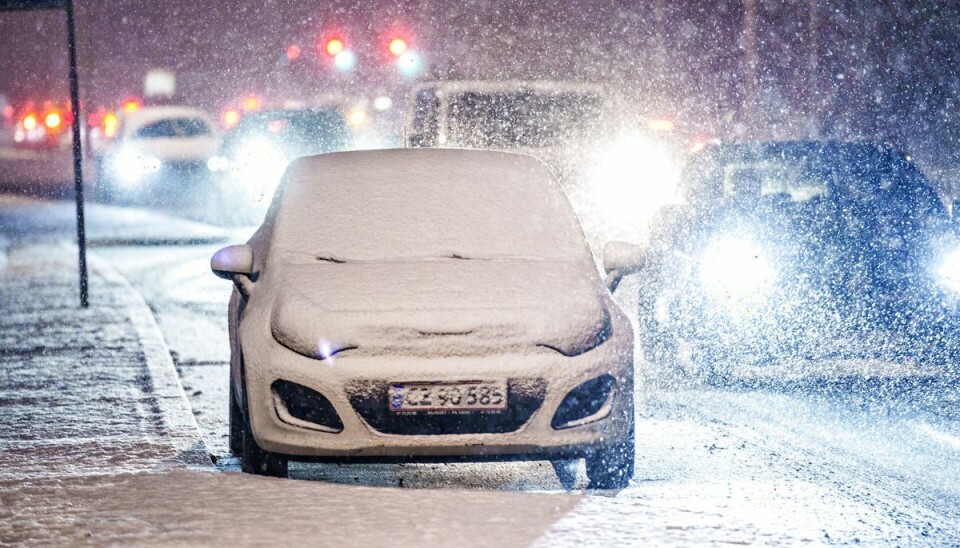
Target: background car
x=254, y=156
x=604, y=157
x=403, y=304
x=160, y=153
x=801, y=251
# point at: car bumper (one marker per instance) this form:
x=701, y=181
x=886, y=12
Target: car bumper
x=266, y=361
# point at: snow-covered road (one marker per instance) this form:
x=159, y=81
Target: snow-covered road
x=879, y=461
x=872, y=462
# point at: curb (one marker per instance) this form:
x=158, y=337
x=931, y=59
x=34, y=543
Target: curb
x=176, y=413
x=4, y=246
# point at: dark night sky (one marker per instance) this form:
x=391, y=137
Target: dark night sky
x=218, y=47
x=885, y=68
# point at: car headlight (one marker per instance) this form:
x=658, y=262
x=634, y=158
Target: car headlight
x=131, y=165
x=735, y=267
x=218, y=163
x=258, y=165
x=948, y=271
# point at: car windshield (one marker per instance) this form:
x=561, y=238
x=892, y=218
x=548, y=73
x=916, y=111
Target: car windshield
x=505, y=120
x=172, y=128
x=865, y=175
x=305, y=131
x=430, y=206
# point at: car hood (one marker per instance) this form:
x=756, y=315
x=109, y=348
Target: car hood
x=439, y=307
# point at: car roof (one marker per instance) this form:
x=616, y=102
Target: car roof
x=395, y=198
x=505, y=86
x=281, y=112
x=147, y=115
x=796, y=147
x=340, y=167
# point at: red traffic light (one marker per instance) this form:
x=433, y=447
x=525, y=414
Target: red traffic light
x=397, y=47
x=334, y=47
x=293, y=52
x=52, y=120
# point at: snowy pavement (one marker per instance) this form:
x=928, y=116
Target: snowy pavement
x=84, y=391
x=87, y=454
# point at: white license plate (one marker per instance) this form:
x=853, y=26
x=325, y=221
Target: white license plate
x=448, y=396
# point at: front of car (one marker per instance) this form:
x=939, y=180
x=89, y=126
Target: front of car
x=159, y=150
x=422, y=314
x=814, y=251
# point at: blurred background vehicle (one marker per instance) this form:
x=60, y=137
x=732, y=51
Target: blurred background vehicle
x=158, y=153
x=541, y=117
x=255, y=154
x=801, y=251
x=605, y=158
x=44, y=125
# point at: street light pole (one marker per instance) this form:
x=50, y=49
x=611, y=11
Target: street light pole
x=67, y=6
x=750, y=56
x=77, y=154
x=813, y=68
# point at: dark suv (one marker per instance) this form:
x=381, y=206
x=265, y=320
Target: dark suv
x=801, y=252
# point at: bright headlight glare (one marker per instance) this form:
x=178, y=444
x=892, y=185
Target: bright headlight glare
x=258, y=165
x=949, y=271
x=735, y=267
x=633, y=179
x=131, y=165
x=217, y=163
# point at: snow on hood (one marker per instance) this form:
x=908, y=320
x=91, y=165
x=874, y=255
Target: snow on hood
x=439, y=307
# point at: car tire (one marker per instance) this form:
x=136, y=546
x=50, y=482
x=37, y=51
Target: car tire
x=612, y=467
x=236, y=421
x=566, y=471
x=253, y=458
x=659, y=345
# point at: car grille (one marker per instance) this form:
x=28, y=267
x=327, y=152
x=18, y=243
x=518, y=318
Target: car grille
x=370, y=400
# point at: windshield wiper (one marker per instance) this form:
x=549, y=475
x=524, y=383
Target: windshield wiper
x=330, y=259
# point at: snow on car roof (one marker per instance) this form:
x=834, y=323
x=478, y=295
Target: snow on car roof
x=414, y=203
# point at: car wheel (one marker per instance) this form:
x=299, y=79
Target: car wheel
x=651, y=335
x=611, y=467
x=255, y=460
x=566, y=470
x=236, y=421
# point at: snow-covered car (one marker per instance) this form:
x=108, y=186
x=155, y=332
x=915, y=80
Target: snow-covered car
x=254, y=156
x=158, y=150
x=427, y=305
x=802, y=253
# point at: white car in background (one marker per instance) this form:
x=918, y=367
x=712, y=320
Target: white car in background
x=159, y=151
x=427, y=305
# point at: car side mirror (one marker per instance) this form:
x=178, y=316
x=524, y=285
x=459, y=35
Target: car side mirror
x=235, y=263
x=621, y=259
